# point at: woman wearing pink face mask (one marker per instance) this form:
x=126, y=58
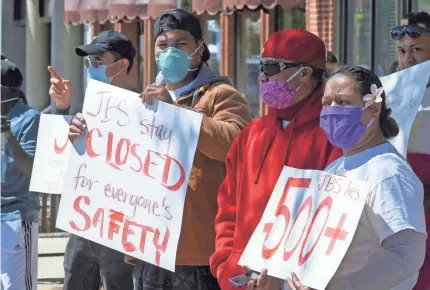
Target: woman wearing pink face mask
x=291, y=69
x=388, y=247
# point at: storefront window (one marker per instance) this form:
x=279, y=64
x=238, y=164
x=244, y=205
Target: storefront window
x=248, y=59
x=423, y=5
x=359, y=33
x=292, y=18
x=213, y=41
x=385, y=48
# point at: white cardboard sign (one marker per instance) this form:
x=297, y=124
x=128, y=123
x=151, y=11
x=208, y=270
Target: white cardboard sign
x=52, y=154
x=127, y=178
x=307, y=226
x=404, y=91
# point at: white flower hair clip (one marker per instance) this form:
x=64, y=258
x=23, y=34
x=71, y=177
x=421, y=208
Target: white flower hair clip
x=375, y=96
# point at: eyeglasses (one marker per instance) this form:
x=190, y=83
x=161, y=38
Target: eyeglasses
x=92, y=61
x=413, y=31
x=273, y=68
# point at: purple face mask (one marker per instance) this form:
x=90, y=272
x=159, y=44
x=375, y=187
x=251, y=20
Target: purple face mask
x=275, y=94
x=342, y=125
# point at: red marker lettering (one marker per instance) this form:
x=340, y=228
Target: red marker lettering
x=89, y=143
x=78, y=209
x=327, y=202
x=166, y=172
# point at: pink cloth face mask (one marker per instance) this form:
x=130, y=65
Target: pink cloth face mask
x=275, y=94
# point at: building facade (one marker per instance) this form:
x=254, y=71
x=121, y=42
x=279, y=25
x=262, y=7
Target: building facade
x=36, y=33
x=357, y=31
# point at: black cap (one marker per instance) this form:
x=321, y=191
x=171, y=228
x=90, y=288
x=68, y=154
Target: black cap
x=10, y=74
x=173, y=19
x=109, y=41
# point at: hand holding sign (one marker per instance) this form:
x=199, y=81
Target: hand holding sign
x=152, y=92
x=61, y=90
x=262, y=283
x=294, y=283
x=77, y=126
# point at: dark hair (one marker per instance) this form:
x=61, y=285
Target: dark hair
x=364, y=79
x=117, y=56
x=317, y=73
x=418, y=18
x=331, y=57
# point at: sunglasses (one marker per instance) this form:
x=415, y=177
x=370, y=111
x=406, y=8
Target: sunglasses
x=95, y=63
x=273, y=68
x=413, y=31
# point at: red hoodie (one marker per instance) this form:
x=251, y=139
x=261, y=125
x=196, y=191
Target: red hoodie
x=254, y=164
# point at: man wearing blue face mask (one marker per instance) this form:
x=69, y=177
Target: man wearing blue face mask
x=185, y=80
x=108, y=58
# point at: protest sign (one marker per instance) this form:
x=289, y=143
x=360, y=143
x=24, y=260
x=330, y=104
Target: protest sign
x=404, y=91
x=127, y=178
x=52, y=154
x=307, y=226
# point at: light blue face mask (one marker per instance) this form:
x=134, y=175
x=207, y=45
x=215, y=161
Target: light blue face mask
x=175, y=63
x=99, y=74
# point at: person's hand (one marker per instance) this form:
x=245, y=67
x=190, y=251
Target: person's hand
x=262, y=282
x=130, y=260
x=152, y=92
x=77, y=127
x=295, y=284
x=61, y=90
x=5, y=127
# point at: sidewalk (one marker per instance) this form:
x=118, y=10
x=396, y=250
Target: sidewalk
x=50, y=261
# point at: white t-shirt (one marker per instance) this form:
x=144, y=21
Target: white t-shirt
x=395, y=203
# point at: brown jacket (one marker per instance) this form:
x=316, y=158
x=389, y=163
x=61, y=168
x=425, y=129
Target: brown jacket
x=225, y=114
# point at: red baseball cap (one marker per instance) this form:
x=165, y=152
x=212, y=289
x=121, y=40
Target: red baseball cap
x=296, y=45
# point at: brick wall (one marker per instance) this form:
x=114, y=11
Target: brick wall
x=320, y=16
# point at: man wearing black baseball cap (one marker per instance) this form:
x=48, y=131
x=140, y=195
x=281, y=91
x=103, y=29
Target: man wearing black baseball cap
x=19, y=207
x=185, y=80
x=108, y=58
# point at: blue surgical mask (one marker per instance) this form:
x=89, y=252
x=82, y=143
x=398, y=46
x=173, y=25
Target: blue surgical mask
x=99, y=74
x=175, y=63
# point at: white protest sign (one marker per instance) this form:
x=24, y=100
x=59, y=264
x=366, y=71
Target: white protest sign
x=307, y=226
x=419, y=140
x=404, y=91
x=52, y=154
x=126, y=181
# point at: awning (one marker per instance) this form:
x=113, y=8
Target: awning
x=101, y=11
x=215, y=6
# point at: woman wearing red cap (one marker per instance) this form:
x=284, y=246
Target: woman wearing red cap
x=293, y=62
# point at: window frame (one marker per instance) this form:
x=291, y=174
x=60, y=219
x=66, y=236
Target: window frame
x=343, y=23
